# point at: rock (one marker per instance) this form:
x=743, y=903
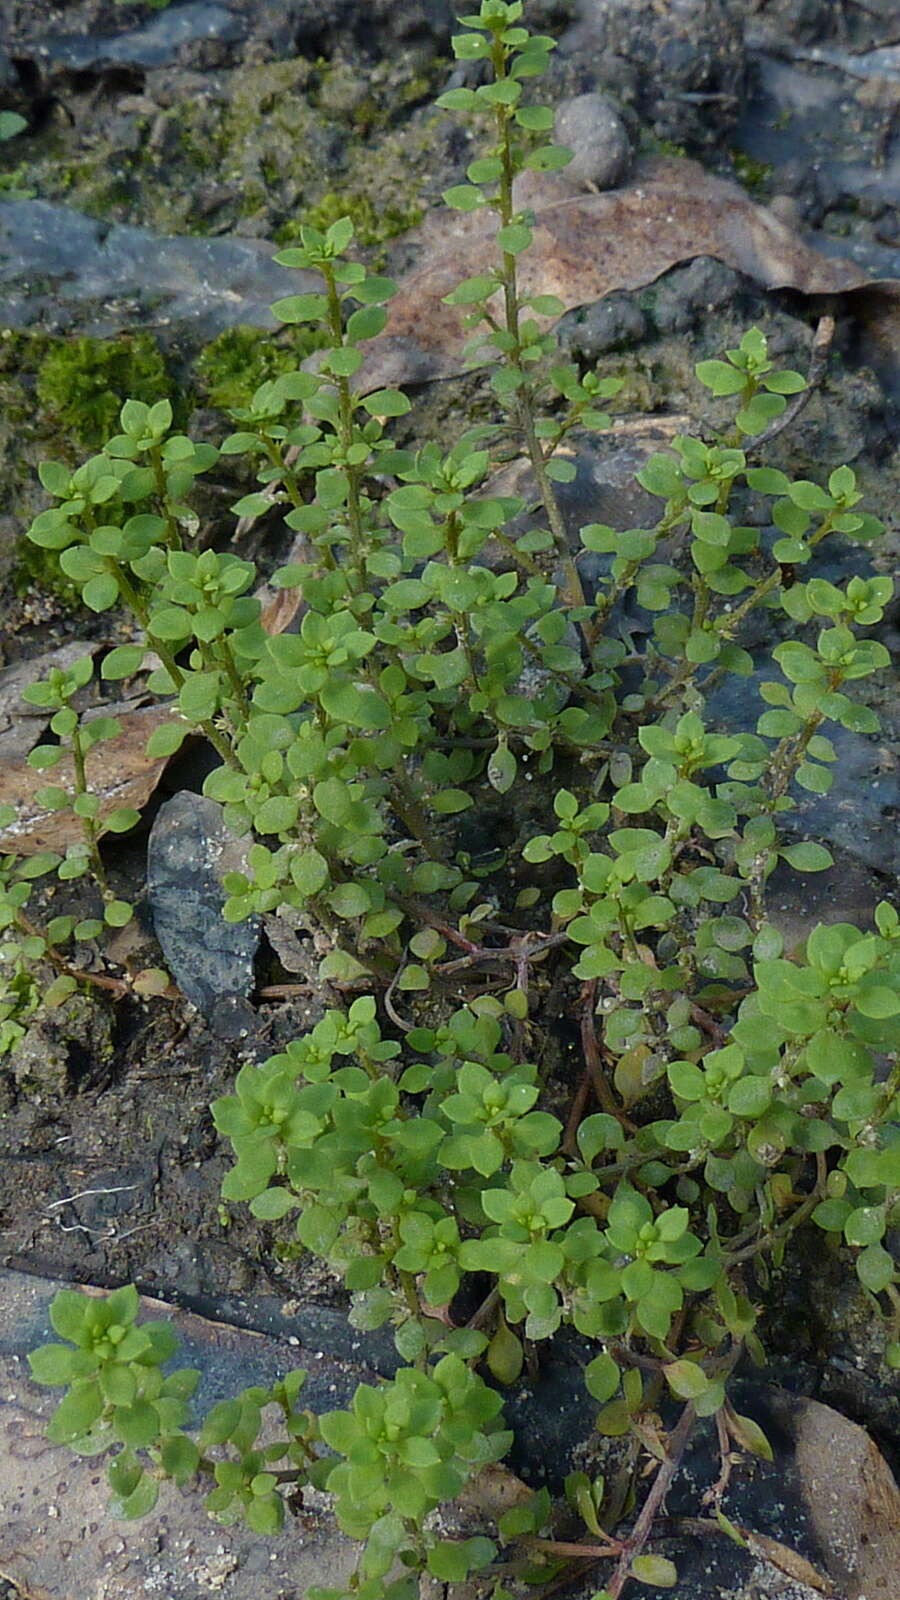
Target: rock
x=55, y=262
x=688, y=295
x=591, y=125
x=683, y=61
x=859, y=812
x=321, y=27
x=210, y=959
x=613, y=323
x=158, y=42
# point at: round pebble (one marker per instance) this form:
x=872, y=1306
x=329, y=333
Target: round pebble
x=591, y=127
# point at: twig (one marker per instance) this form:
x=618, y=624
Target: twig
x=714, y=1494
x=592, y=1056
x=485, y=1310
x=576, y=1113
x=83, y=1194
x=285, y=991
x=643, y=1527
x=512, y=953
x=405, y=1027
x=579, y=1552
x=818, y=361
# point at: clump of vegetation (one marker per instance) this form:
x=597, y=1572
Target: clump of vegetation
x=740, y=1088
x=82, y=382
x=755, y=175
x=371, y=225
x=237, y=361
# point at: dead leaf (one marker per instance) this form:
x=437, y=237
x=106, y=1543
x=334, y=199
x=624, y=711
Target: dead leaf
x=118, y=770
x=21, y=723
x=279, y=607
x=587, y=245
x=786, y=1560
x=494, y=1491
x=58, y=1540
x=853, y=1502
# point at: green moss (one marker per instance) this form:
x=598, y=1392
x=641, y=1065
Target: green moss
x=664, y=147
x=36, y=568
x=372, y=226
x=14, y=184
x=752, y=174
x=237, y=361
x=82, y=383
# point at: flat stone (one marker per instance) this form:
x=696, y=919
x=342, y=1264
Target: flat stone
x=55, y=261
x=155, y=44
x=189, y=852
x=58, y=1540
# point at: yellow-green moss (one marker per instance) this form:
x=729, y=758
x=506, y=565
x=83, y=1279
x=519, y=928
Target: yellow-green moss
x=371, y=226
x=753, y=175
x=82, y=383
x=238, y=360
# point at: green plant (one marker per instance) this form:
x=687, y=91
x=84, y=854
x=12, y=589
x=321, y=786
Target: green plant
x=11, y=124
x=741, y=1090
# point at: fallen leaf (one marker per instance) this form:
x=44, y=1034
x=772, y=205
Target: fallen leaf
x=20, y=723
x=118, y=770
x=585, y=246
x=788, y=1561
x=58, y=1540
x=853, y=1502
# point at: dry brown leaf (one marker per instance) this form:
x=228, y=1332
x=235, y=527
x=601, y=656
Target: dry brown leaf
x=587, y=245
x=853, y=1502
x=118, y=770
x=58, y=1540
x=788, y=1561
x=21, y=723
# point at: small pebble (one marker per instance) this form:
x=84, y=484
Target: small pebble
x=591, y=126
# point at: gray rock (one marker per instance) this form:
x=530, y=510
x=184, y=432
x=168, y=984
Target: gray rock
x=189, y=852
x=682, y=63
x=614, y=323
x=155, y=44
x=591, y=126
x=54, y=262
x=689, y=294
x=859, y=813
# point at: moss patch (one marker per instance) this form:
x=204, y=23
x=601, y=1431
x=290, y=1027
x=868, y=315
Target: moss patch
x=82, y=383
x=237, y=361
x=371, y=226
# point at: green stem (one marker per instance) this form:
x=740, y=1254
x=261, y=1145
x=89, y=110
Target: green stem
x=172, y=535
x=88, y=824
x=226, y=658
x=345, y=433
x=523, y=402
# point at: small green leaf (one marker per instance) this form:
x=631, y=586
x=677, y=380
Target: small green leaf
x=387, y=403
x=686, y=1379
x=749, y=1435
x=505, y=1355
x=656, y=1570
x=58, y=1363
x=875, y=1268
x=140, y=1502
x=602, y=1377
x=808, y=856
